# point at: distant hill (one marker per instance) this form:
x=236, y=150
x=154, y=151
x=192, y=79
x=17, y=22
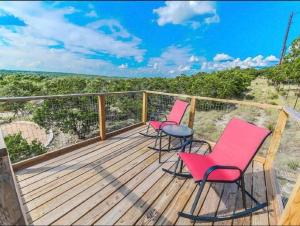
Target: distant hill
x=54, y=74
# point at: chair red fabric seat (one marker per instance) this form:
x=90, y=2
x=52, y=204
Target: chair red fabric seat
x=199, y=164
x=157, y=124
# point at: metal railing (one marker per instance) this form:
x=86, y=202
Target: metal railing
x=47, y=123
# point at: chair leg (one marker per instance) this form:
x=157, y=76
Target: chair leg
x=156, y=139
x=179, y=174
x=181, y=166
x=243, y=192
x=201, y=184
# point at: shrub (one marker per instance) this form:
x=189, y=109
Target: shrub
x=270, y=127
x=19, y=149
x=293, y=165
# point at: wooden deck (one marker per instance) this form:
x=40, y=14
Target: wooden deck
x=119, y=181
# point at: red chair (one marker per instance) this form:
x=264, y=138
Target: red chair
x=174, y=117
x=226, y=162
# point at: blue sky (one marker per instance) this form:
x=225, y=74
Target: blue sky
x=137, y=39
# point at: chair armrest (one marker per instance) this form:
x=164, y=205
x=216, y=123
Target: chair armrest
x=169, y=122
x=190, y=142
x=164, y=115
x=217, y=167
x=158, y=116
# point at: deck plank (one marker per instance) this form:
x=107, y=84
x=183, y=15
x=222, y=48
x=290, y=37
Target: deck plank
x=123, y=189
x=92, y=175
x=118, y=210
x=211, y=203
x=86, y=205
x=227, y=204
x=41, y=167
x=65, y=166
x=185, y=221
x=248, y=184
x=160, y=204
x=259, y=192
x=85, y=172
x=178, y=203
x=76, y=195
x=145, y=202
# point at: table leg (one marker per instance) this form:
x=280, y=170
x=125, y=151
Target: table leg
x=159, y=154
x=169, y=143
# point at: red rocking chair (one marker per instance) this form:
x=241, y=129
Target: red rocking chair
x=226, y=162
x=174, y=117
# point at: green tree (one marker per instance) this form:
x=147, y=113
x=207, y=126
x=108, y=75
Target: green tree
x=77, y=115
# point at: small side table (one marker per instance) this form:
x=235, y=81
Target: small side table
x=177, y=131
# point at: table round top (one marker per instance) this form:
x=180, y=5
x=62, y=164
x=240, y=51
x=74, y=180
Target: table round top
x=177, y=130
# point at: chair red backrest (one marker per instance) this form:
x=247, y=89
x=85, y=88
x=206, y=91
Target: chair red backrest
x=239, y=143
x=177, y=112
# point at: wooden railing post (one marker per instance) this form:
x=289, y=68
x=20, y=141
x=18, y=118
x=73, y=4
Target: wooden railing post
x=273, y=196
x=102, y=117
x=291, y=212
x=11, y=207
x=192, y=112
x=276, y=138
x=145, y=107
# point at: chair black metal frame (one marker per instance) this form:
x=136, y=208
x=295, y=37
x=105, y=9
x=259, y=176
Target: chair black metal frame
x=158, y=131
x=239, y=181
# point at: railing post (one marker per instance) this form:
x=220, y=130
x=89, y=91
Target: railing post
x=274, y=203
x=276, y=138
x=12, y=210
x=192, y=112
x=102, y=117
x=145, y=107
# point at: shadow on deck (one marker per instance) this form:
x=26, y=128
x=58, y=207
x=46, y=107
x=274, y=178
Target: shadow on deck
x=119, y=181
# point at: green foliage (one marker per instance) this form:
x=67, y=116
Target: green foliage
x=73, y=115
x=293, y=165
x=289, y=70
x=19, y=149
x=294, y=51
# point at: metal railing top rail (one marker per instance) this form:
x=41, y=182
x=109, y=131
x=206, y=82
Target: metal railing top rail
x=28, y=98
x=292, y=113
x=241, y=102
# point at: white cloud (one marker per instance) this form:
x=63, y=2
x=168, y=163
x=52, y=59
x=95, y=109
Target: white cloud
x=115, y=28
x=193, y=59
x=213, y=19
x=92, y=13
x=50, y=25
x=222, y=57
x=182, y=12
x=175, y=60
x=222, y=62
x=123, y=66
x=183, y=68
x=39, y=58
x=272, y=58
